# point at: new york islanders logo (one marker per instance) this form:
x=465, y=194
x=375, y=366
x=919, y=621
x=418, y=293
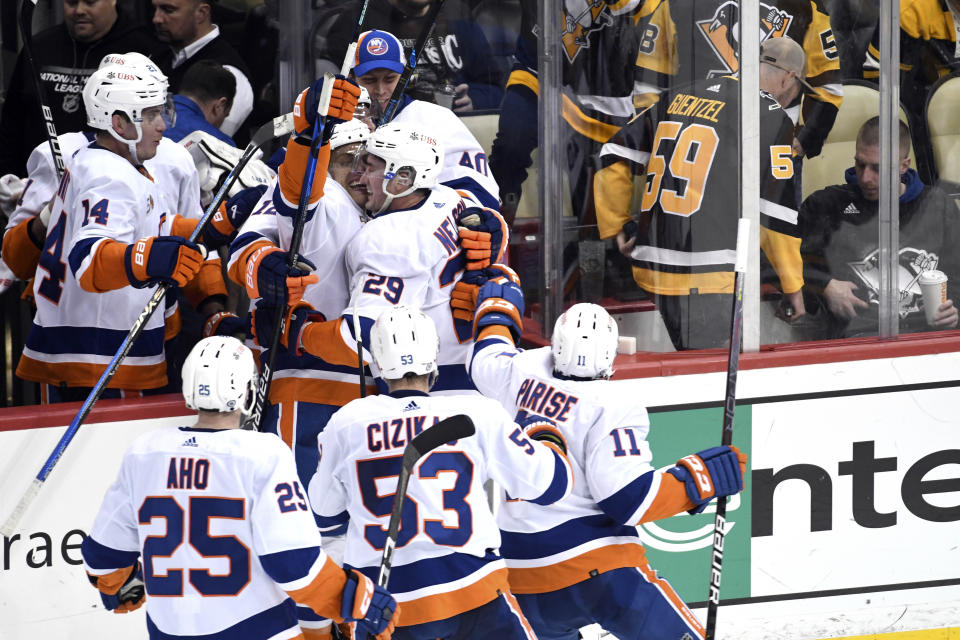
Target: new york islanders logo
x=580, y=19
x=721, y=30
x=377, y=46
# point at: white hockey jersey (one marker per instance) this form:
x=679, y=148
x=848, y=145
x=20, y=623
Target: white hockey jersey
x=333, y=223
x=615, y=486
x=412, y=257
x=172, y=168
x=75, y=333
x=465, y=162
x=225, y=534
x=446, y=559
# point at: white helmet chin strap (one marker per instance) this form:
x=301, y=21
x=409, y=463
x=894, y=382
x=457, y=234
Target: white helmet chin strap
x=389, y=197
x=131, y=144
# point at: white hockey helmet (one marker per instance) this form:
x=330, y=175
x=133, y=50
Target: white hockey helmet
x=364, y=104
x=404, y=340
x=405, y=148
x=220, y=375
x=584, y=342
x=128, y=88
x=347, y=133
x=135, y=59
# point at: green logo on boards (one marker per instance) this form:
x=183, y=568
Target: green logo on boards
x=680, y=548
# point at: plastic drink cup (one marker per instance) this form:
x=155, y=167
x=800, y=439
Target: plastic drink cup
x=933, y=286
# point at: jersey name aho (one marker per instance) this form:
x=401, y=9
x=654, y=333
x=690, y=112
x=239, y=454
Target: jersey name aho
x=75, y=333
x=446, y=560
x=213, y=514
x=464, y=161
x=330, y=226
x=412, y=257
x=552, y=547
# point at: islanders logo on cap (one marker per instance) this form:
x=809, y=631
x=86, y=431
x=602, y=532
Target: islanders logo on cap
x=377, y=46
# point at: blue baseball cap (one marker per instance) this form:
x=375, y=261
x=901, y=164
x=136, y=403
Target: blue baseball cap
x=378, y=50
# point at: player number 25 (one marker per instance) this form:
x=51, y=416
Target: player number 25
x=196, y=528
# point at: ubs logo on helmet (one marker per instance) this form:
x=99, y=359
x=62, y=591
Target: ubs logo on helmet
x=580, y=19
x=721, y=32
x=377, y=46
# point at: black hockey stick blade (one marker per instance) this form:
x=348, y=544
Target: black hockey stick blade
x=453, y=428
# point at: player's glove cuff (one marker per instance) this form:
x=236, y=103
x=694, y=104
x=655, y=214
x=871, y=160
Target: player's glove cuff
x=130, y=595
x=224, y=323
x=369, y=605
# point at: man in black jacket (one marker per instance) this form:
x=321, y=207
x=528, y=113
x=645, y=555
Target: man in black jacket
x=186, y=26
x=65, y=56
x=840, y=247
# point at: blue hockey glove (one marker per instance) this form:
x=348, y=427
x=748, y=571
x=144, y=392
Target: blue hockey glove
x=369, y=605
x=130, y=596
x=269, y=277
x=483, y=235
x=230, y=216
x=543, y=429
x=499, y=302
x=718, y=471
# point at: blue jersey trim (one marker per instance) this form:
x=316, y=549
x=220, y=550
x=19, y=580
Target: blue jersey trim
x=292, y=564
x=265, y=624
x=93, y=341
x=558, y=486
x=102, y=557
x=431, y=571
x=469, y=184
x=622, y=505
x=570, y=534
x=79, y=253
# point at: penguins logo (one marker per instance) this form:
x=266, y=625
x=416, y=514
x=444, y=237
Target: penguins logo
x=580, y=19
x=721, y=34
x=912, y=262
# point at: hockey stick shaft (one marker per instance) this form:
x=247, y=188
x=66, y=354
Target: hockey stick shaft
x=26, y=31
x=452, y=428
x=275, y=128
x=726, y=438
x=415, y=53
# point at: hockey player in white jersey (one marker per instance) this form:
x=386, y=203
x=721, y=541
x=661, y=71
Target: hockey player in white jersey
x=212, y=524
x=378, y=63
x=447, y=574
x=409, y=253
x=580, y=561
x=108, y=241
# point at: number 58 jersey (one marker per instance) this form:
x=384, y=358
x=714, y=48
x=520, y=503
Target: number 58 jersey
x=446, y=560
x=224, y=530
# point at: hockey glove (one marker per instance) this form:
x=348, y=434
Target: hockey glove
x=343, y=102
x=369, y=605
x=499, y=302
x=11, y=190
x=463, y=298
x=718, y=471
x=128, y=597
x=298, y=316
x=169, y=259
x=215, y=159
x=484, y=235
x=230, y=216
x=543, y=429
x=269, y=277
x=224, y=323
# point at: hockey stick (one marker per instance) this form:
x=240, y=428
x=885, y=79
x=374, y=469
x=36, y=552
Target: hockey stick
x=729, y=404
x=26, y=31
x=431, y=20
x=319, y=127
x=453, y=428
x=279, y=126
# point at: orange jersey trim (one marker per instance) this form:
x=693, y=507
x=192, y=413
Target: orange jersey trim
x=106, y=271
x=671, y=499
x=569, y=572
x=172, y=325
x=295, y=166
x=452, y=603
x=323, y=594
x=316, y=391
x=324, y=340
x=238, y=270
x=19, y=251
x=208, y=282
x=84, y=374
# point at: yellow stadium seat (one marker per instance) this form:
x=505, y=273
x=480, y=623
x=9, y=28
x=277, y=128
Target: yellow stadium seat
x=861, y=101
x=943, y=124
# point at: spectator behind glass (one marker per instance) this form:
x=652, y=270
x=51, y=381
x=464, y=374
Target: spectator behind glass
x=65, y=55
x=840, y=250
x=928, y=51
x=456, y=69
x=204, y=101
x=186, y=26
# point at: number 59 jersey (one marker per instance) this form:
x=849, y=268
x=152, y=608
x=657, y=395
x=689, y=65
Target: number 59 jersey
x=446, y=560
x=224, y=529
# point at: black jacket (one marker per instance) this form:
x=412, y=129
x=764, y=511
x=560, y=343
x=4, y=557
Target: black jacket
x=64, y=66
